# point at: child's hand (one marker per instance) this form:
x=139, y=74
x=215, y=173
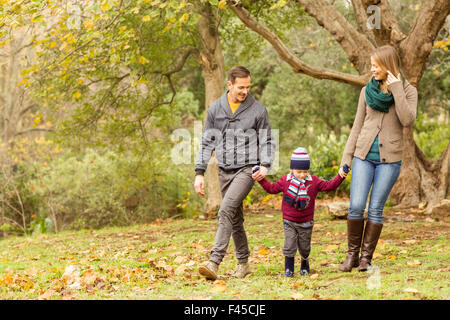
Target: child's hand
x=259, y=174
x=344, y=171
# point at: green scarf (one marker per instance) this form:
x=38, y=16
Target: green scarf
x=376, y=98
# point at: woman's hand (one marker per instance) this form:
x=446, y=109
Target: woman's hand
x=392, y=79
x=342, y=173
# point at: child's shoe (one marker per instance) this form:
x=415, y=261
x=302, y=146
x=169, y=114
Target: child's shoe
x=288, y=273
x=304, y=268
x=288, y=266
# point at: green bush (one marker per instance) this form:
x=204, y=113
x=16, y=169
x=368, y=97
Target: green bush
x=325, y=155
x=431, y=136
x=107, y=189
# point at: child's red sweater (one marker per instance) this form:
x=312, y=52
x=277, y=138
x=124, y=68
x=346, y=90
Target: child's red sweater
x=316, y=185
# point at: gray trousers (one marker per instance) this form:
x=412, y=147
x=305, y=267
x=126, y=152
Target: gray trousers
x=297, y=236
x=234, y=186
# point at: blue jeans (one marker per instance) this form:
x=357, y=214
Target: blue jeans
x=381, y=177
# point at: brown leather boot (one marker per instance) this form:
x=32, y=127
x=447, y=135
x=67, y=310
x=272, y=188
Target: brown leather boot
x=355, y=229
x=371, y=235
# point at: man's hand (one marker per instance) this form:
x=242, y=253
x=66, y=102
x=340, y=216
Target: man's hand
x=260, y=174
x=199, y=185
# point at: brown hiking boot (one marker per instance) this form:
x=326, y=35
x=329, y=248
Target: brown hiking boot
x=355, y=229
x=371, y=235
x=209, y=270
x=242, y=270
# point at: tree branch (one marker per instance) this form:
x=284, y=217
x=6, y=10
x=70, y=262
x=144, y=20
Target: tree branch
x=417, y=46
x=355, y=44
x=32, y=130
x=296, y=64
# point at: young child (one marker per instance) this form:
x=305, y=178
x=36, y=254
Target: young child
x=299, y=194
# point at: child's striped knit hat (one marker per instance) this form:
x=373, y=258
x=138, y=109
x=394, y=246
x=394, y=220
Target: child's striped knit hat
x=300, y=159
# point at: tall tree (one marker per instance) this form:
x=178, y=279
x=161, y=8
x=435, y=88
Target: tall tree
x=107, y=67
x=421, y=180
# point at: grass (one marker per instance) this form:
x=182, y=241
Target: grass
x=160, y=261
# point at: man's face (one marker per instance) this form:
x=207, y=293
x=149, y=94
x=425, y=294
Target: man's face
x=238, y=90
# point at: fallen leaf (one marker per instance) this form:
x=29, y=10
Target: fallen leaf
x=414, y=263
x=298, y=284
x=219, y=286
x=443, y=269
x=179, y=259
x=180, y=270
x=32, y=272
x=412, y=290
x=296, y=296
x=324, y=262
x=392, y=257
x=71, y=275
x=314, y=276
x=331, y=247
x=263, y=251
x=47, y=294
x=377, y=255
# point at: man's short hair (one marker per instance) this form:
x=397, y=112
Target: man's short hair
x=238, y=72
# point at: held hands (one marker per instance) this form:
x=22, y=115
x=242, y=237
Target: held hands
x=392, y=79
x=259, y=174
x=344, y=171
x=199, y=185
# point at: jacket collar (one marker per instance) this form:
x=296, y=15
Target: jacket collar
x=244, y=105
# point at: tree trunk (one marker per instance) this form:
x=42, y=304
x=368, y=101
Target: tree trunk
x=213, y=66
x=421, y=181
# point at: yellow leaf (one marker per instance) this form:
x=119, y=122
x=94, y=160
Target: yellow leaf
x=185, y=17
x=332, y=247
x=222, y=4
x=105, y=6
x=263, y=251
x=77, y=94
x=146, y=18
x=143, y=60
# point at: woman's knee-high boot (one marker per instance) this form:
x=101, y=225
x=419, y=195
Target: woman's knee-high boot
x=355, y=229
x=372, y=233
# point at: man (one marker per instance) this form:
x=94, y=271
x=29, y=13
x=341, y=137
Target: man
x=237, y=127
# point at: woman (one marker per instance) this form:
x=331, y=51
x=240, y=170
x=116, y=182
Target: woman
x=386, y=104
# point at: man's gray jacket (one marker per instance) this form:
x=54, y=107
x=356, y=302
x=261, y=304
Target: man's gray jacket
x=240, y=139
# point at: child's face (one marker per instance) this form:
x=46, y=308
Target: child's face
x=300, y=174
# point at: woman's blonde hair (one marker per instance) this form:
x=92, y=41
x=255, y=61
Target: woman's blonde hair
x=388, y=60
